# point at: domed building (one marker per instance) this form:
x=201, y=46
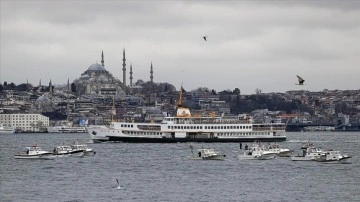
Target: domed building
x=96, y=79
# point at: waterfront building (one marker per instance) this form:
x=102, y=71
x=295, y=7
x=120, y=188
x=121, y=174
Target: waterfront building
x=25, y=122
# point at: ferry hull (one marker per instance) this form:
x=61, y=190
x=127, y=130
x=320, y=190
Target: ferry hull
x=205, y=140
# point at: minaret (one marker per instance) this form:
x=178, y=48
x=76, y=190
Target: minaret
x=124, y=70
x=50, y=87
x=131, y=76
x=102, y=58
x=40, y=83
x=68, y=86
x=151, y=76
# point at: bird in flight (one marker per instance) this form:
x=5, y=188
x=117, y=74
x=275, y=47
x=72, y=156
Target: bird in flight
x=118, y=184
x=300, y=80
x=205, y=38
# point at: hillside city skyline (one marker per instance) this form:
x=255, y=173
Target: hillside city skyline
x=250, y=44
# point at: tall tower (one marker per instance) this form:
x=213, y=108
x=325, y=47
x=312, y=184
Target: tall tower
x=124, y=69
x=102, y=58
x=151, y=76
x=40, y=83
x=68, y=86
x=131, y=76
x=50, y=87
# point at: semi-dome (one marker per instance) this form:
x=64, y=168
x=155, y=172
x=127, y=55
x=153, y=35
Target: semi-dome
x=96, y=67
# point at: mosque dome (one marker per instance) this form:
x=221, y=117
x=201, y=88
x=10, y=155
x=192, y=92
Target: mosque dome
x=96, y=67
x=42, y=99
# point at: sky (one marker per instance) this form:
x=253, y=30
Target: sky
x=251, y=44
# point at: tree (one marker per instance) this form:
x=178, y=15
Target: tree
x=236, y=91
x=22, y=87
x=73, y=88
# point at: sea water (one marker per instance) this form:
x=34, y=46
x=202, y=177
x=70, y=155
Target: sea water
x=162, y=172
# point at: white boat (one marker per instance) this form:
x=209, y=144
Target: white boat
x=67, y=150
x=34, y=152
x=206, y=154
x=331, y=156
x=185, y=127
x=6, y=129
x=309, y=154
x=66, y=129
x=82, y=147
x=257, y=152
x=307, y=145
x=281, y=152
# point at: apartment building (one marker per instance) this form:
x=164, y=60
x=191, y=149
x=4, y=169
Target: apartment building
x=25, y=122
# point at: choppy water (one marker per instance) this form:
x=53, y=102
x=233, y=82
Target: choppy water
x=162, y=172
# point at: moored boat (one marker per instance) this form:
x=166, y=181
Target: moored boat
x=66, y=129
x=185, y=127
x=6, y=129
x=34, y=152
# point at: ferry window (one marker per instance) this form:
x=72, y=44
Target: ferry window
x=206, y=127
x=212, y=127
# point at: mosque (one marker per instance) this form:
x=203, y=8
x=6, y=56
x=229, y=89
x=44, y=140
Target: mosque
x=97, y=80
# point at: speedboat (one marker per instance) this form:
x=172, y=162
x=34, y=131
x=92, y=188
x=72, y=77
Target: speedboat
x=82, y=147
x=331, y=156
x=257, y=152
x=34, y=152
x=309, y=154
x=67, y=150
x=281, y=152
x=206, y=154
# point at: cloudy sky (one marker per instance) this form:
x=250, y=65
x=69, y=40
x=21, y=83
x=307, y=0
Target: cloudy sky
x=251, y=44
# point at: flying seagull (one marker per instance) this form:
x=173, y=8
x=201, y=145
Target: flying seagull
x=205, y=38
x=301, y=80
x=118, y=184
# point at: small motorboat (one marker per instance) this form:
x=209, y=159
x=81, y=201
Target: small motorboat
x=331, y=156
x=257, y=152
x=34, y=152
x=206, y=154
x=281, y=152
x=309, y=154
x=82, y=147
x=66, y=150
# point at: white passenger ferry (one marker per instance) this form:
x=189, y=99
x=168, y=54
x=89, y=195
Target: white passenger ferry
x=187, y=128
x=66, y=129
